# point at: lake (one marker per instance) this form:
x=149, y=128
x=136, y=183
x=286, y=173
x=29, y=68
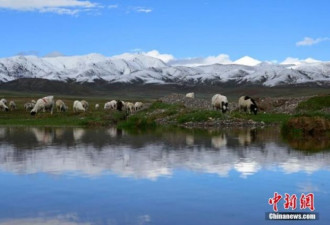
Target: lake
x=110, y=176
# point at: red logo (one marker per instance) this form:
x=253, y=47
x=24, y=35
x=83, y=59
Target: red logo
x=306, y=201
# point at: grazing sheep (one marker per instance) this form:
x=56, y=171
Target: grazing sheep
x=113, y=104
x=78, y=106
x=33, y=101
x=29, y=106
x=190, y=95
x=3, y=106
x=110, y=105
x=97, y=106
x=85, y=104
x=45, y=103
x=138, y=105
x=121, y=105
x=12, y=105
x=220, y=102
x=130, y=107
x=107, y=106
x=247, y=104
x=60, y=106
x=4, y=101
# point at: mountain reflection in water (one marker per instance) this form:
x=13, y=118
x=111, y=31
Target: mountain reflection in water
x=91, y=152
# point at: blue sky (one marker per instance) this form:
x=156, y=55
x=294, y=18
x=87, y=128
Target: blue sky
x=265, y=30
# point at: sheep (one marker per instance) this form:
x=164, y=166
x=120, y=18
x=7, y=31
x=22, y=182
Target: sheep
x=138, y=105
x=3, y=106
x=97, y=106
x=45, y=103
x=247, y=104
x=78, y=106
x=220, y=102
x=85, y=104
x=113, y=104
x=4, y=101
x=110, y=105
x=12, y=105
x=130, y=107
x=29, y=106
x=190, y=95
x=121, y=105
x=60, y=106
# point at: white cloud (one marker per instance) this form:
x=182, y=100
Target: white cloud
x=69, y=7
x=221, y=59
x=113, y=6
x=296, y=61
x=164, y=57
x=308, y=41
x=143, y=10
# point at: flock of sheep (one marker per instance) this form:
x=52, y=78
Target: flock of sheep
x=48, y=104
x=220, y=102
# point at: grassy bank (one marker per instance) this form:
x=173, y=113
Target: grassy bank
x=91, y=118
x=157, y=114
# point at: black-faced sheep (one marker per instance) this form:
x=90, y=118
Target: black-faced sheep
x=247, y=103
x=220, y=102
x=120, y=105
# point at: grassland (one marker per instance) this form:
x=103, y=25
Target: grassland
x=158, y=113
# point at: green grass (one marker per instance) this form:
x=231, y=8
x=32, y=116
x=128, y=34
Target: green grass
x=315, y=103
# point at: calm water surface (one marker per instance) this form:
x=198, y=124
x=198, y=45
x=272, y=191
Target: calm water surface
x=107, y=176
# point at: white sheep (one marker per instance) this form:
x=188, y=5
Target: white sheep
x=130, y=107
x=60, y=106
x=85, y=104
x=3, y=105
x=220, y=102
x=4, y=101
x=97, y=106
x=45, y=103
x=247, y=103
x=29, y=106
x=12, y=105
x=190, y=95
x=113, y=104
x=138, y=105
x=78, y=106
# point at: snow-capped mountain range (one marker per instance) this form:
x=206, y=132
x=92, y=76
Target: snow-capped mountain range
x=130, y=68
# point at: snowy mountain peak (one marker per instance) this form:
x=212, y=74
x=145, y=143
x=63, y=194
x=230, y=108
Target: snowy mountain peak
x=130, y=68
x=247, y=61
